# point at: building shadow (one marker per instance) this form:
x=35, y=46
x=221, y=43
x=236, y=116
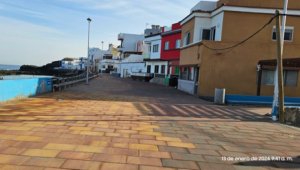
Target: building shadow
x=146, y=98
x=205, y=111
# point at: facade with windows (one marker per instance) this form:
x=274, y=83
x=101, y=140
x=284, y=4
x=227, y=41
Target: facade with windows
x=170, y=51
x=155, y=65
x=130, y=44
x=247, y=69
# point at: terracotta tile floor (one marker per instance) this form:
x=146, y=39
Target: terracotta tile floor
x=123, y=124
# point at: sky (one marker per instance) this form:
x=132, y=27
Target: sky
x=37, y=32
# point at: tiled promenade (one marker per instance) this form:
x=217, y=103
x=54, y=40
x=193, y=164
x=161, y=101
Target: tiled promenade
x=123, y=124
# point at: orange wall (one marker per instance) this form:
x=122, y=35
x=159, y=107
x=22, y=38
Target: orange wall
x=189, y=56
x=188, y=27
x=238, y=26
x=235, y=69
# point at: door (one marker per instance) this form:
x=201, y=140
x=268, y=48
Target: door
x=149, y=69
x=125, y=73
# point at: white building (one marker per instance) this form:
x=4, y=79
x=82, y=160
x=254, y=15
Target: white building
x=109, y=60
x=103, y=60
x=72, y=64
x=205, y=6
x=95, y=56
x=130, y=44
x=154, y=64
x=132, y=65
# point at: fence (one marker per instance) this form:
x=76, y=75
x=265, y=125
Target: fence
x=62, y=83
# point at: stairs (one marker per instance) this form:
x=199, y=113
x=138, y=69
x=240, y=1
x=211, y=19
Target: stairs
x=158, y=80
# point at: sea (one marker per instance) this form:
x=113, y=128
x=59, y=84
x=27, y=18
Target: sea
x=9, y=67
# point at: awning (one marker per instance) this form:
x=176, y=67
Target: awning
x=288, y=64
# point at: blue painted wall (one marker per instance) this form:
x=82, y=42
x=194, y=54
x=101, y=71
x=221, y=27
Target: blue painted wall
x=260, y=100
x=11, y=89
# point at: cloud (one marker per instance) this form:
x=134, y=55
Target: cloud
x=18, y=28
x=153, y=8
x=38, y=32
x=27, y=43
x=9, y=6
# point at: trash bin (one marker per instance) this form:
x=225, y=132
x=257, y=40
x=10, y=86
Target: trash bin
x=219, y=96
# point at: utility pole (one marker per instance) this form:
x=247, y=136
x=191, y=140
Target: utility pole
x=280, y=69
x=88, y=52
x=275, y=106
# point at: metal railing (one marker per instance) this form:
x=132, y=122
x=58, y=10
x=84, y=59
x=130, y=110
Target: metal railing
x=62, y=83
x=141, y=74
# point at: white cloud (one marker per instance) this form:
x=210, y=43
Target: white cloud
x=38, y=32
x=157, y=8
x=27, y=43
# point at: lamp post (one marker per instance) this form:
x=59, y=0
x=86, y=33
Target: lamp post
x=88, y=52
x=102, y=42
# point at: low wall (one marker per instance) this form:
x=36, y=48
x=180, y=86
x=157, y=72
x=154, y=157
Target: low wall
x=126, y=69
x=186, y=86
x=24, y=87
x=259, y=100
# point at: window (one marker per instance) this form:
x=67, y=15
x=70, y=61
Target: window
x=191, y=73
x=162, y=70
x=148, y=69
x=288, y=35
x=156, y=68
x=187, y=73
x=155, y=48
x=290, y=78
x=178, y=44
x=167, y=45
x=213, y=33
x=267, y=77
x=184, y=74
x=187, y=38
x=206, y=34
x=209, y=34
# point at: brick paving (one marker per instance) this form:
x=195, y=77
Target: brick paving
x=123, y=124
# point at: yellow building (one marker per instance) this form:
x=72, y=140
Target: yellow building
x=247, y=69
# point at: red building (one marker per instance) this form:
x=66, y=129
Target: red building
x=170, y=51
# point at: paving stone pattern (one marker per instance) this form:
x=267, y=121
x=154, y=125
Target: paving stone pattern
x=123, y=124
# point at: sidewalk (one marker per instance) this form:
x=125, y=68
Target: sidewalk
x=122, y=124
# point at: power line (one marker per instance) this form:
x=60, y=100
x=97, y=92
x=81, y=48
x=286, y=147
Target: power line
x=242, y=42
x=290, y=15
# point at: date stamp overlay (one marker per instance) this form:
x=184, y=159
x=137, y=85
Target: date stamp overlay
x=258, y=158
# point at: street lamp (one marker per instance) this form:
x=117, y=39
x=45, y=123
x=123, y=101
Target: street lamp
x=102, y=42
x=88, y=52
